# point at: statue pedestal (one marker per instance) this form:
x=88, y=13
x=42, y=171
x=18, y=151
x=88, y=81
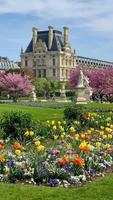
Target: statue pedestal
x=83, y=90
x=81, y=95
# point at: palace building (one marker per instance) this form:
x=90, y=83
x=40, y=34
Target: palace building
x=49, y=54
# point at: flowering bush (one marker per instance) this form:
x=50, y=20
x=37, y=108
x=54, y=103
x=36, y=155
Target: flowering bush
x=14, y=124
x=71, y=153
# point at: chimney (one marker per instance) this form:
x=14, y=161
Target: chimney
x=50, y=37
x=66, y=29
x=35, y=34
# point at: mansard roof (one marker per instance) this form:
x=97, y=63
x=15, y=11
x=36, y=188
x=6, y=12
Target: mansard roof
x=57, y=43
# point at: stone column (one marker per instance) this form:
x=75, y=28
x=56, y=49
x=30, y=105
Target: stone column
x=66, y=29
x=50, y=37
x=35, y=34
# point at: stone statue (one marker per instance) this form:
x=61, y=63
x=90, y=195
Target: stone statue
x=83, y=90
x=33, y=94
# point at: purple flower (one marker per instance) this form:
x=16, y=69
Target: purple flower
x=11, y=163
x=54, y=182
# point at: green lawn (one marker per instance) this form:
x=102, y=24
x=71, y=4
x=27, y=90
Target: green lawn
x=101, y=189
x=36, y=112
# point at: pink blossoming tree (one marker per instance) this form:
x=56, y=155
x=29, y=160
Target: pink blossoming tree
x=15, y=85
x=100, y=80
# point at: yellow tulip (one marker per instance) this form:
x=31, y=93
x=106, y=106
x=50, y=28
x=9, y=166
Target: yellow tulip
x=98, y=144
x=102, y=127
x=55, y=137
x=107, y=146
x=69, y=146
x=108, y=119
x=89, y=131
x=72, y=129
x=108, y=129
x=53, y=122
x=26, y=133
x=31, y=133
x=92, y=129
x=54, y=127
x=101, y=133
x=110, y=136
x=104, y=136
x=17, y=152
x=111, y=126
x=76, y=137
x=37, y=143
x=40, y=148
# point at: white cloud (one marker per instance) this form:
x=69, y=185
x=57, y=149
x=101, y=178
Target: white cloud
x=93, y=14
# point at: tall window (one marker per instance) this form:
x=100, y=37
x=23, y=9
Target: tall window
x=62, y=72
x=54, y=72
x=44, y=72
x=39, y=73
x=62, y=61
x=54, y=61
x=26, y=62
x=66, y=73
x=34, y=72
x=34, y=63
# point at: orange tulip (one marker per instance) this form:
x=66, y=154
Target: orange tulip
x=17, y=146
x=1, y=147
x=78, y=161
x=2, y=158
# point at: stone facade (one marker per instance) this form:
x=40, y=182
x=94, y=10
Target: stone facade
x=49, y=54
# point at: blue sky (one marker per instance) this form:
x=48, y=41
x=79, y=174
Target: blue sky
x=90, y=23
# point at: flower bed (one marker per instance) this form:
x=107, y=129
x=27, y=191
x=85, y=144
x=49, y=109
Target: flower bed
x=70, y=154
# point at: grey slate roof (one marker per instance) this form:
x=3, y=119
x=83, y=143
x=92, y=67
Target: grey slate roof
x=57, y=43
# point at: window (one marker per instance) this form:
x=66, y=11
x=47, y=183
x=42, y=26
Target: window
x=38, y=61
x=26, y=62
x=44, y=72
x=54, y=72
x=66, y=73
x=39, y=73
x=34, y=72
x=34, y=63
x=54, y=63
x=62, y=72
x=62, y=61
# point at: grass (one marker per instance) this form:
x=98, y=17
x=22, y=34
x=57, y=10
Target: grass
x=101, y=106
x=36, y=112
x=100, y=189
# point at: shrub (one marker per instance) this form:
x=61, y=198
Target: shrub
x=14, y=124
x=74, y=112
